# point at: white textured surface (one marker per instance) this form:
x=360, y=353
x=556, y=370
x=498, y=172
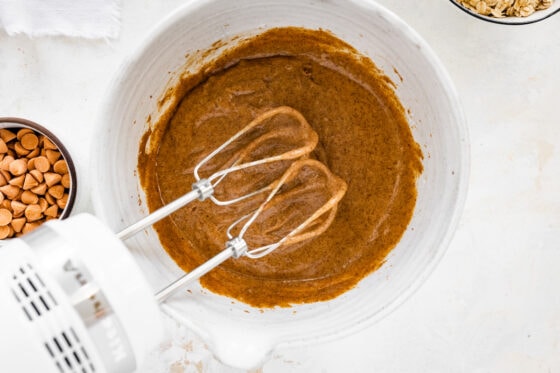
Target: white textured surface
x=493, y=303
x=93, y=19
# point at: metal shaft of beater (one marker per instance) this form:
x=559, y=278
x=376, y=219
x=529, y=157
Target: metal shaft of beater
x=193, y=275
x=235, y=247
x=201, y=190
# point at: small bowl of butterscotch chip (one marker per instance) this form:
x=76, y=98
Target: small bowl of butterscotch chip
x=37, y=177
x=509, y=12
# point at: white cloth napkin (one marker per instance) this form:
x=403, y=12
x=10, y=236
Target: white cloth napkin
x=93, y=19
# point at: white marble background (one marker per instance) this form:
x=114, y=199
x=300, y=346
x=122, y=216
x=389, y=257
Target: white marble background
x=493, y=303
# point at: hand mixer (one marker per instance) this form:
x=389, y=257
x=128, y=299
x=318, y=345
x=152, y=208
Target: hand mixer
x=73, y=299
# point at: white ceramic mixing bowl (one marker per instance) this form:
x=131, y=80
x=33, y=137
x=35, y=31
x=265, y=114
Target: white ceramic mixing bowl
x=238, y=334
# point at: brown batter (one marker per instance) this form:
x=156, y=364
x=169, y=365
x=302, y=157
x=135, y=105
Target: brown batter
x=363, y=137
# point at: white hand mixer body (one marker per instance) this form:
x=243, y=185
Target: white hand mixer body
x=74, y=300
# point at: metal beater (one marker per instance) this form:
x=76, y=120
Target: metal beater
x=235, y=155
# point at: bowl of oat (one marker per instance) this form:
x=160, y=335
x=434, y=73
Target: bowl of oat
x=509, y=12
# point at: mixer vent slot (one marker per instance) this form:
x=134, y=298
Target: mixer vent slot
x=36, y=300
x=30, y=292
x=68, y=354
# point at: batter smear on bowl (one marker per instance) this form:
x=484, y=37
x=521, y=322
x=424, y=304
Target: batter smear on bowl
x=364, y=138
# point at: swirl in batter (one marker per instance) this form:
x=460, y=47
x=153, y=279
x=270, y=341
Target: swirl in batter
x=364, y=138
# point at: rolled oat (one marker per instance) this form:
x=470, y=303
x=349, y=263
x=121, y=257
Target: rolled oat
x=505, y=8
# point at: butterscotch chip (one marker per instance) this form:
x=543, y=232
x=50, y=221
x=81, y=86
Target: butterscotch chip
x=28, y=227
x=20, y=150
x=10, y=191
x=33, y=213
x=50, y=199
x=62, y=202
x=34, y=153
x=3, y=180
x=60, y=167
x=48, y=144
x=66, y=181
x=57, y=191
x=18, y=167
x=17, y=181
x=6, y=174
x=42, y=163
x=2, y=197
x=17, y=224
x=29, y=141
x=52, y=178
x=3, y=147
x=5, y=217
x=44, y=204
x=18, y=208
x=7, y=204
x=29, y=182
x=52, y=211
x=52, y=155
x=23, y=132
x=31, y=163
x=7, y=135
x=40, y=189
x=4, y=232
x=5, y=162
x=29, y=198
x=37, y=175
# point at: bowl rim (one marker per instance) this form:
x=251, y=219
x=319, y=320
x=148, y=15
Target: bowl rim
x=511, y=21
x=26, y=123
